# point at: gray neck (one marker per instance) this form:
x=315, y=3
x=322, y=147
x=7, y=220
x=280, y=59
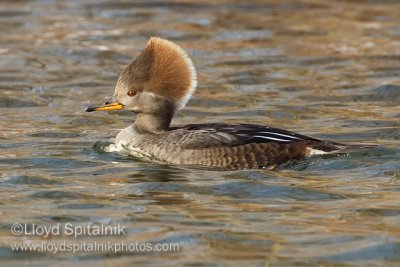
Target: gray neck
x=154, y=114
x=153, y=123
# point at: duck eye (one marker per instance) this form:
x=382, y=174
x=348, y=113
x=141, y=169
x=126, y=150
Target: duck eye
x=132, y=93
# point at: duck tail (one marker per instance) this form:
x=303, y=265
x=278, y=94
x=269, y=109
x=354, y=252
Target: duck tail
x=330, y=147
x=347, y=147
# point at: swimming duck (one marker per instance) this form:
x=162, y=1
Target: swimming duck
x=158, y=83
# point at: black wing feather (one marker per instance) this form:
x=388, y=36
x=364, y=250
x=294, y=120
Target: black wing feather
x=216, y=134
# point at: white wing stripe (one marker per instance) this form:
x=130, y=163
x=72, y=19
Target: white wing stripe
x=272, y=138
x=283, y=135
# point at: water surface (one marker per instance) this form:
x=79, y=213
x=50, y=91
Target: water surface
x=329, y=69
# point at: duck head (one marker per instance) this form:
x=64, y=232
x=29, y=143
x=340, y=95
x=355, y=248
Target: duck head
x=156, y=84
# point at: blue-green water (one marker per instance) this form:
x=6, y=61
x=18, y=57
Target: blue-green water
x=324, y=68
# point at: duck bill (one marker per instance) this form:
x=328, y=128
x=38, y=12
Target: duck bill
x=106, y=107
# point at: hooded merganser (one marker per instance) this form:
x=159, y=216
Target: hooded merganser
x=158, y=83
